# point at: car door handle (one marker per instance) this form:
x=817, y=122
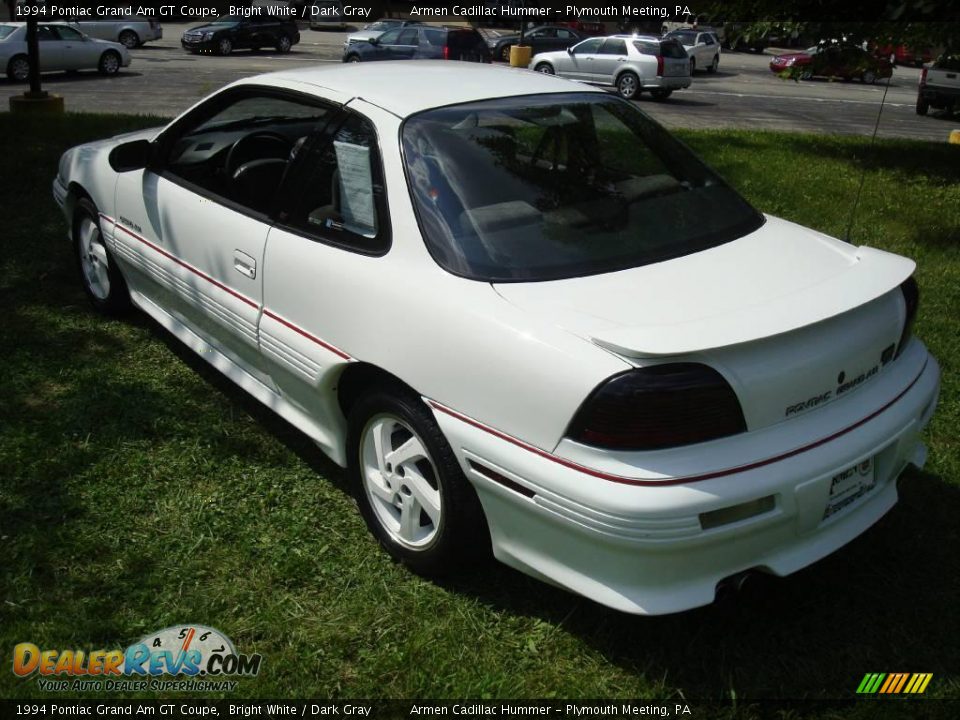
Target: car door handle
x=244, y=264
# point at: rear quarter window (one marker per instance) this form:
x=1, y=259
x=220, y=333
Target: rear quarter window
x=672, y=49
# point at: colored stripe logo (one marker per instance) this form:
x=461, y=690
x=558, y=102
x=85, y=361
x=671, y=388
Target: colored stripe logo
x=894, y=683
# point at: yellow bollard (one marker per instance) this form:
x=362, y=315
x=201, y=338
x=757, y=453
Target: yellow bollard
x=955, y=137
x=520, y=55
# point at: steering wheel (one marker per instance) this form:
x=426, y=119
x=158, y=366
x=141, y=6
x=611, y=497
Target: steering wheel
x=258, y=145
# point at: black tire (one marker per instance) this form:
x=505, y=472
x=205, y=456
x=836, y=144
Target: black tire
x=922, y=106
x=868, y=77
x=110, y=63
x=660, y=94
x=224, y=46
x=505, y=53
x=353, y=58
x=116, y=301
x=18, y=69
x=545, y=68
x=129, y=39
x=461, y=536
x=628, y=86
x=284, y=44
x=693, y=66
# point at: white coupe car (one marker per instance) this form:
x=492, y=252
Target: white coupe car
x=61, y=47
x=524, y=317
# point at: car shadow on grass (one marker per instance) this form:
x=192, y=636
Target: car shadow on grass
x=884, y=602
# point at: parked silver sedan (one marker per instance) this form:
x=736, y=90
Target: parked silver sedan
x=131, y=31
x=61, y=47
x=632, y=64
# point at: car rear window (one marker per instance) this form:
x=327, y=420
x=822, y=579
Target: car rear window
x=948, y=62
x=554, y=186
x=672, y=49
x=463, y=38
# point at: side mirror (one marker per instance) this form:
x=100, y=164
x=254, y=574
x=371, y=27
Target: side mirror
x=374, y=41
x=570, y=51
x=129, y=156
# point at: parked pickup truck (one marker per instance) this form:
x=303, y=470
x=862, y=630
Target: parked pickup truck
x=940, y=85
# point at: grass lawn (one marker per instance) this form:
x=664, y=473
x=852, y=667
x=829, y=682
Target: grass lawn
x=139, y=489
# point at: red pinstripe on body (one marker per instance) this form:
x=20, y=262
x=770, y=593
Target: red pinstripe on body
x=652, y=482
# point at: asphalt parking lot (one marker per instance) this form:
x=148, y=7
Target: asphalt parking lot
x=164, y=80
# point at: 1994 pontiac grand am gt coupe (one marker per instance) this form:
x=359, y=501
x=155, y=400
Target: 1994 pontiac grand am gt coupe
x=523, y=316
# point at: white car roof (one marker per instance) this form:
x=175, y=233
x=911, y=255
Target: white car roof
x=407, y=87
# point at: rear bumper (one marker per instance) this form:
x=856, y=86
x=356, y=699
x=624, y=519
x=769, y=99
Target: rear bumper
x=644, y=549
x=939, y=95
x=668, y=83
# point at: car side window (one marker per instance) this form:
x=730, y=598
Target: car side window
x=45, y=33
x=434, y=36
x=390, y=37
x=68, y=33
x=408, y=36
x=706, y=39
x=239, y=151
x=612, y=46
x=588, y=46
x=564, y=34
x=343, y=201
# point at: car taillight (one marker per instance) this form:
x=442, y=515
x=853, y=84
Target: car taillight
x=657, y=407
x=923, y=77
x=659, y=64
x=911, y=298
x=446, y=52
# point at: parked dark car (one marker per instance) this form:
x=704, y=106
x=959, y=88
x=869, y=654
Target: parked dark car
x=233, y=32
x=421, y=43
x=847, y=62
x=540, y=39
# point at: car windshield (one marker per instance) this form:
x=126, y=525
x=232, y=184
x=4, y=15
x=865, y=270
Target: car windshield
x=554, y=186
x=7, y=31
x=227, y=20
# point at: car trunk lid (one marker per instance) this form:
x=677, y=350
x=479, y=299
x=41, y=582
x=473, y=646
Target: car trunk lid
x=781, y=302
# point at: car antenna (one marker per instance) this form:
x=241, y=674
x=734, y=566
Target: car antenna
x=863, y=175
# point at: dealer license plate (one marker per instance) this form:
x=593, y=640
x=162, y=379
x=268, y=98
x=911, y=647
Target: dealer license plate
x=849, y=486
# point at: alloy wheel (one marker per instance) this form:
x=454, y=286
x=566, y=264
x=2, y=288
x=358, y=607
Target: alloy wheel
x=93, y=260
x=400, y=480
x=20, y=69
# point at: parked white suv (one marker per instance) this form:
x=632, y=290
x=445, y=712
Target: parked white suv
x=703, y=47
x=631, y=63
